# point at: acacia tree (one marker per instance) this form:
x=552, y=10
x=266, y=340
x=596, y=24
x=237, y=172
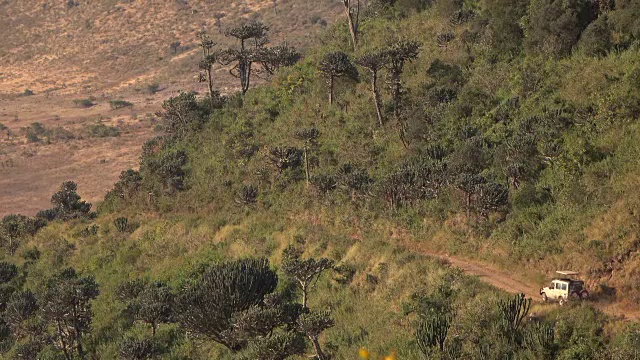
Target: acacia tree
x=399, y=54
x=305, y=272
x=218, y=16
x=353, y=18
x=308, y=137
x=336, y=64
x=374, y=62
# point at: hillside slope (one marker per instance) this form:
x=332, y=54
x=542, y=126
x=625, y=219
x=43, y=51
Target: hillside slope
x=497, y=131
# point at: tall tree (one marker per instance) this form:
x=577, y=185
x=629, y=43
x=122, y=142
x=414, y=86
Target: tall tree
x=352, y=8
x=209, y=57
x=336, y=64
x=374, y=62
x=243, y=55
x=308, y=137
x=399, y=53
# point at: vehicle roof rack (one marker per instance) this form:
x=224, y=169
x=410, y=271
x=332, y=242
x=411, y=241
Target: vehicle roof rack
x=567, y=272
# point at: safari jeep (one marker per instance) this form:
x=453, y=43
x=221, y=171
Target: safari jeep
x=564, y=287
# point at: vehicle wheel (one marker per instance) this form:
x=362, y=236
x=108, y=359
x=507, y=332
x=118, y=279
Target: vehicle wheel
x=562, y=302
x=584, y=294
x=575, y=295
x=545, y=298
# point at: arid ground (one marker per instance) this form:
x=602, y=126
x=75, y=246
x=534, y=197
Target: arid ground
x=110, y=50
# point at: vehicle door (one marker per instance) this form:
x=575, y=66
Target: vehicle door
x=562, y=290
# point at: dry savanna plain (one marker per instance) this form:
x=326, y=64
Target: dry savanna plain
x=65, y=65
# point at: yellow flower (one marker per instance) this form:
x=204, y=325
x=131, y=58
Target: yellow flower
x=391, y=356
x=364, y=353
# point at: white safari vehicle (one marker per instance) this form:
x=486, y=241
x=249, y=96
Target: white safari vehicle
x=564, y=287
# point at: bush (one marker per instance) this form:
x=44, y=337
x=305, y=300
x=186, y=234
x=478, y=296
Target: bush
x=153, y=88
x=103, y=131
x=83, y=103
x=120, y=104
x=28, y=92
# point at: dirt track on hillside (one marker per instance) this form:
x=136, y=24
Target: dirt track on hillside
x=513, y=284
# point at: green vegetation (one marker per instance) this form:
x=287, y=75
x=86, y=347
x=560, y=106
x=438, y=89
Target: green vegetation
x=120, y=104
x=102, y=131
x=36, y=132
x=277, y=224
x=83, y=103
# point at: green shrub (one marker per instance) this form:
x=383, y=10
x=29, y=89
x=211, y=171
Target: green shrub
x=103, y=131
x=83, y=103
x=120, y=104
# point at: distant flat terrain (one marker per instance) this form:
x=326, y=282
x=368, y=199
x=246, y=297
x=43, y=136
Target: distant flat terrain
x=108, y=50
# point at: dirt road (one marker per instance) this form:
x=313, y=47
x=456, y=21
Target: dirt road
x=513, y=284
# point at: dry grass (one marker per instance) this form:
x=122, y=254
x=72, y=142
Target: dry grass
x=109, y=50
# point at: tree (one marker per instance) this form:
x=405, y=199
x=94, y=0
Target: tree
x=175, y=46
x=207, y=305
x=68, y=202
x=374, y=62
x=336, y=64
x=597, y=38
x=65, y=304
x=504, y=18
x=181, y=114
x=353, y=19
x=554, y=26
x=399, y=53
x=252, y=38
x=312, y=324
x=21, y=307
x=209, y=57
x=151, y=303
x=308, y=137
x=218, y=16
x=243, y=56
x=305, y=272
x=283, y=158
x=276, y=57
